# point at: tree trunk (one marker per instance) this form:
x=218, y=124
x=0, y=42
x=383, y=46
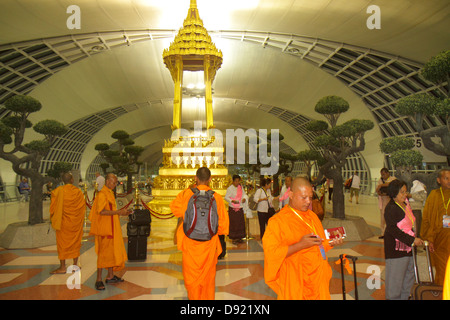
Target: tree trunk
x=338, y=194
x=36, y=211
x=129, y=182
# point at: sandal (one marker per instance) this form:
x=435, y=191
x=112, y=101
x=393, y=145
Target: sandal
x=99, y=285
x=114, y=279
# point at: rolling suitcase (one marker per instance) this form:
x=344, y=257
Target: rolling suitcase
x=138, y=229
x=424, y=290
x=343, y=257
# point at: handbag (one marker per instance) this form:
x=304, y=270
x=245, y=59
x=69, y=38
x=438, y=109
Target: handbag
x=348, y=183
x=271, y=210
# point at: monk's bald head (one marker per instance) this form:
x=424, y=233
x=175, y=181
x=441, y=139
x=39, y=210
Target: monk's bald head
x=444, y=178
x=300, y=182
x=67, y=178
x=301, y=193
x=111, y=180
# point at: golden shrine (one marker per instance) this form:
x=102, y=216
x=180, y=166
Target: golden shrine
x=192, y=50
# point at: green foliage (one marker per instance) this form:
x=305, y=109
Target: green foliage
x=418, y=103
x=104, y=165
x=309, y=155
x=437, y=69
x=58, y=169
x=102, y=147
x=23, y=104
x=5, y=134
x=331, y=105
x=317, y=125
x=287, y=156
x=40, y=146
x=123, y=160
x=325, y=141
x=443, y=108
x=127, y=142
x=50, y=128
x=406, y=158
x=111, y=153
x=392, y=144
x=15, y=122
x=134, y=150
x=120, y=135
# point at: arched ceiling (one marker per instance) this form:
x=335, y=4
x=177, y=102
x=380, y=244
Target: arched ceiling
x=280, y=58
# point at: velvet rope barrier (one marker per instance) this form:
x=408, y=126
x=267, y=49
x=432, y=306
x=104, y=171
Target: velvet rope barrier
x=123, y=195
x=157, y=214
x=145, y=193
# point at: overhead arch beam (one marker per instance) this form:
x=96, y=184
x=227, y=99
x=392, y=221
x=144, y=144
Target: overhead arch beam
x=380, y=79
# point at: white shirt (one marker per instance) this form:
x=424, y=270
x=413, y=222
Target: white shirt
x=231, y=193
x=355, y=182
x=100, y=182
x=263, y=206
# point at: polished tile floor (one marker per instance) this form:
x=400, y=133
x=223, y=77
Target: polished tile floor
x=25, y=274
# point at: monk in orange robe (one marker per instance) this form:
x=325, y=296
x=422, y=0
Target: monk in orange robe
x=105, y=225
x=200, y=257
x=434, y=229
x=295, y=262
x=67, y=210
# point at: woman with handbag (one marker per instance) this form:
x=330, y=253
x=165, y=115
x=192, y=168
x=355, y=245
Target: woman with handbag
x=263, y=197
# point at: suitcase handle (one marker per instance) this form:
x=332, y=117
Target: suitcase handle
x=353, y=258
x=416, y=269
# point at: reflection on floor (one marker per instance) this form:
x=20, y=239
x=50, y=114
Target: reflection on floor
x=25, y=274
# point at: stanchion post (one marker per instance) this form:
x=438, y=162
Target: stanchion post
x=247, y=230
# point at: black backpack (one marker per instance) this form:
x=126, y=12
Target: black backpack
x=201, y=220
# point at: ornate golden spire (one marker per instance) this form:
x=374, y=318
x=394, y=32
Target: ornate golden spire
x=192, y=39
x=192, y=50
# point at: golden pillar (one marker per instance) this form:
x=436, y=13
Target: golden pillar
x=192, y=50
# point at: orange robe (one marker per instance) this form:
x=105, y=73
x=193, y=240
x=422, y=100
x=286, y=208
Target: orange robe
x=199, y=257
x=447, y=282
x=67, y=210
x=432, y=230
x=109, y=244
x=304, y=275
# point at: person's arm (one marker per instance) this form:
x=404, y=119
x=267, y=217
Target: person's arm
x=305, y=242
x=393, y=215
x=228, y=196
x=121, y=212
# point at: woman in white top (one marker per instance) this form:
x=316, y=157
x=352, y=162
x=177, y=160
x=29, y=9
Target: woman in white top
x=264, y=198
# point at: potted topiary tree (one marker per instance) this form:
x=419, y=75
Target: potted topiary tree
x=417, y=106
x=14, y=150
x=337, y=143
x=123, y=159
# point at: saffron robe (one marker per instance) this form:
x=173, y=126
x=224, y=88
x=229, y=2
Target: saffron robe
x=446, y=289
x=109, y=244
x=199, y=257
x=67, y=210
x=432, y=230
x=304, y=275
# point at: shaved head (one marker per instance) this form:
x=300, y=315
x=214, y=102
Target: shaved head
x=300, y=182
x=301, y=194
x=67, y=178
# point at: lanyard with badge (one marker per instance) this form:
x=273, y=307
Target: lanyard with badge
x=313, y=229
x=446, y=217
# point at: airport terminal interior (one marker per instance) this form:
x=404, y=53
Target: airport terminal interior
x=159, y=70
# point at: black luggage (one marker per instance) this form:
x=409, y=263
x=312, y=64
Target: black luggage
x=138, y=229
x=423, y=290
x=353, y=258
